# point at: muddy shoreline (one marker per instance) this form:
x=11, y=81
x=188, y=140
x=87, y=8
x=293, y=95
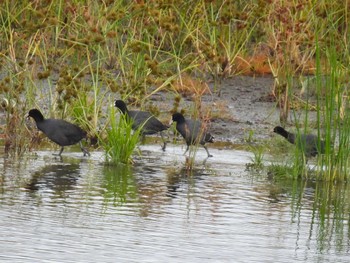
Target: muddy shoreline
x=240, y=110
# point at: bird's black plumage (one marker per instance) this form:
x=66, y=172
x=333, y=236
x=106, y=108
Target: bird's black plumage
x=59, y=131
x=308, y=143
x=192, y=131
x=148, y=123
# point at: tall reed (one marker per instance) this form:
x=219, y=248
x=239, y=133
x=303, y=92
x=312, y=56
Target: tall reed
x=333, y=114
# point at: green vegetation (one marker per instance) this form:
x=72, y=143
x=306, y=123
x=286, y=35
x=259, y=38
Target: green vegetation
x=257, y=148
x=257, y=161
x=67, y=56
x=121, y=140
x=331, y=124
x=333, y=116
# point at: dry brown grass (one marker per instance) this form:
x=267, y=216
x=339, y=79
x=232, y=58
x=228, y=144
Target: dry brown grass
x=189, y=86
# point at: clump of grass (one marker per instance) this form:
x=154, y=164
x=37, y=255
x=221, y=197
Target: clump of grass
x=257, y=161
x=257, y=149
x=289, y=170
x=278, y=171
x=121, y=140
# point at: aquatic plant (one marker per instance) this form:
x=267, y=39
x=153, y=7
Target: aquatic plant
x=332, y=117
x=332, y=122
x=257, y=161
x=121, y=140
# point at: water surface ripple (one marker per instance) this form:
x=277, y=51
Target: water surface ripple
x=77, y=209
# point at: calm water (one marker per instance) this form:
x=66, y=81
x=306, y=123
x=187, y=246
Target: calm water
x=76, y=209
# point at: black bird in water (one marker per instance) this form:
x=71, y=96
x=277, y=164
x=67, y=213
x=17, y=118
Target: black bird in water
x=59, y=131
x=144, y=119
x=308, y=143
x=192, y=131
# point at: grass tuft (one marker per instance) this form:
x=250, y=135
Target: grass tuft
x=121, y=140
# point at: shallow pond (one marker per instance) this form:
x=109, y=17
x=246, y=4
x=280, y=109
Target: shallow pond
x=77, y=209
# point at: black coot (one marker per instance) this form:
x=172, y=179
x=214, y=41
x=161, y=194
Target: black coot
x=192, y=131
x=144, y=119
x=59, y=131
x=308, y=143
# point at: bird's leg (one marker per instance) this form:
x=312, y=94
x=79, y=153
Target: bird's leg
x=188, y=147
x=209, y=155
x=59, y=154
x=86, y=152
x=164, y=141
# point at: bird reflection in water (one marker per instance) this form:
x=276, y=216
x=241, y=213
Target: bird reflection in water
x=57, y=177
x=178, y=177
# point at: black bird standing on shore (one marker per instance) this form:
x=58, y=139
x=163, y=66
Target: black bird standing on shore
x=144, y=119
x=192, y=131
x=59, y=131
